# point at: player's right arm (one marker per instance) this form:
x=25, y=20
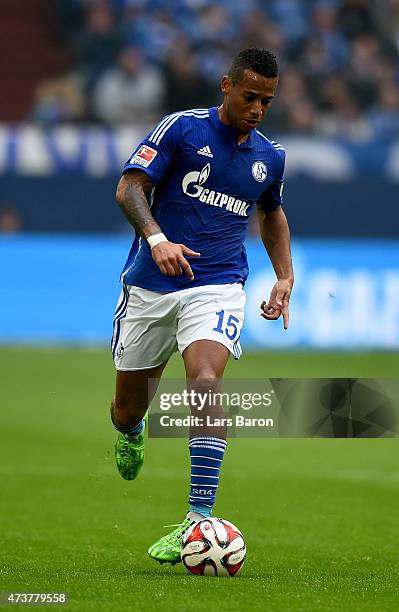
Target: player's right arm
x=131, y=198
x=275, y=236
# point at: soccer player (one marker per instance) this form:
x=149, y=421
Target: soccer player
x=188, y=190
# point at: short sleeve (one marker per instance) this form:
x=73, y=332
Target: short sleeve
x=272, y=197
x=155, y=153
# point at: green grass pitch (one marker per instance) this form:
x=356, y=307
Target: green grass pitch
x=320, y=516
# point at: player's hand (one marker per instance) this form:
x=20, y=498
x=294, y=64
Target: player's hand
x=170, y=259
x=278, y=302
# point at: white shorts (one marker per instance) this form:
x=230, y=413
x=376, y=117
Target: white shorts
x=150, y=326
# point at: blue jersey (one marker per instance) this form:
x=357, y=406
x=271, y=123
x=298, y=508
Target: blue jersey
x=206, y=186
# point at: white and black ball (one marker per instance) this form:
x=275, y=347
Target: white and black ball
x=213, y=547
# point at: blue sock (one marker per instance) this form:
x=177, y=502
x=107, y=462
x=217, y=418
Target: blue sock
x=206, y=456
x=130, y=432
x=136, y=431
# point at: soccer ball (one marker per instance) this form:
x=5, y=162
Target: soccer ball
x=213, y=547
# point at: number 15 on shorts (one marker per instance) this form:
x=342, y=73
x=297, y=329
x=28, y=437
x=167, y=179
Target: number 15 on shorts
x=227, y=325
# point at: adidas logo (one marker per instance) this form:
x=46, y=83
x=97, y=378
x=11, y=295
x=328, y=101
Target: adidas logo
x=205, y=151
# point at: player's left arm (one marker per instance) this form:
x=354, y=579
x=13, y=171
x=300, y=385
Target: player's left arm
x=275, y=236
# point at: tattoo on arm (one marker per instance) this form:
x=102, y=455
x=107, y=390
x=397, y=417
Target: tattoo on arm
x=131, y=198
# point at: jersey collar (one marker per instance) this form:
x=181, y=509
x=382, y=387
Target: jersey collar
x=229, y=133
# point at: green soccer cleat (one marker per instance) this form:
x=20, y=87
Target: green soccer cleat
x=168, y=548
x=129, y=456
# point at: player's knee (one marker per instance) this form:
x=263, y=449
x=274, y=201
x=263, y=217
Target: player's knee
x=205, y=380
x=204, y=386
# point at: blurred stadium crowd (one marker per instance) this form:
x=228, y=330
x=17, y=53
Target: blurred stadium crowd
x=135, y=60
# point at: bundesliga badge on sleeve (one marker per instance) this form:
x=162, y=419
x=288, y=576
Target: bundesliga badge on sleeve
x=144, y=156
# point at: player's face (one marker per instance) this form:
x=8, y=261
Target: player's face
x=247, y=102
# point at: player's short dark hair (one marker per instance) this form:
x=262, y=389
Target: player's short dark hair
x=259, y=60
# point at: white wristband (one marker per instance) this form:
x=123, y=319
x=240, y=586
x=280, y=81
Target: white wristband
x=156, y=239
